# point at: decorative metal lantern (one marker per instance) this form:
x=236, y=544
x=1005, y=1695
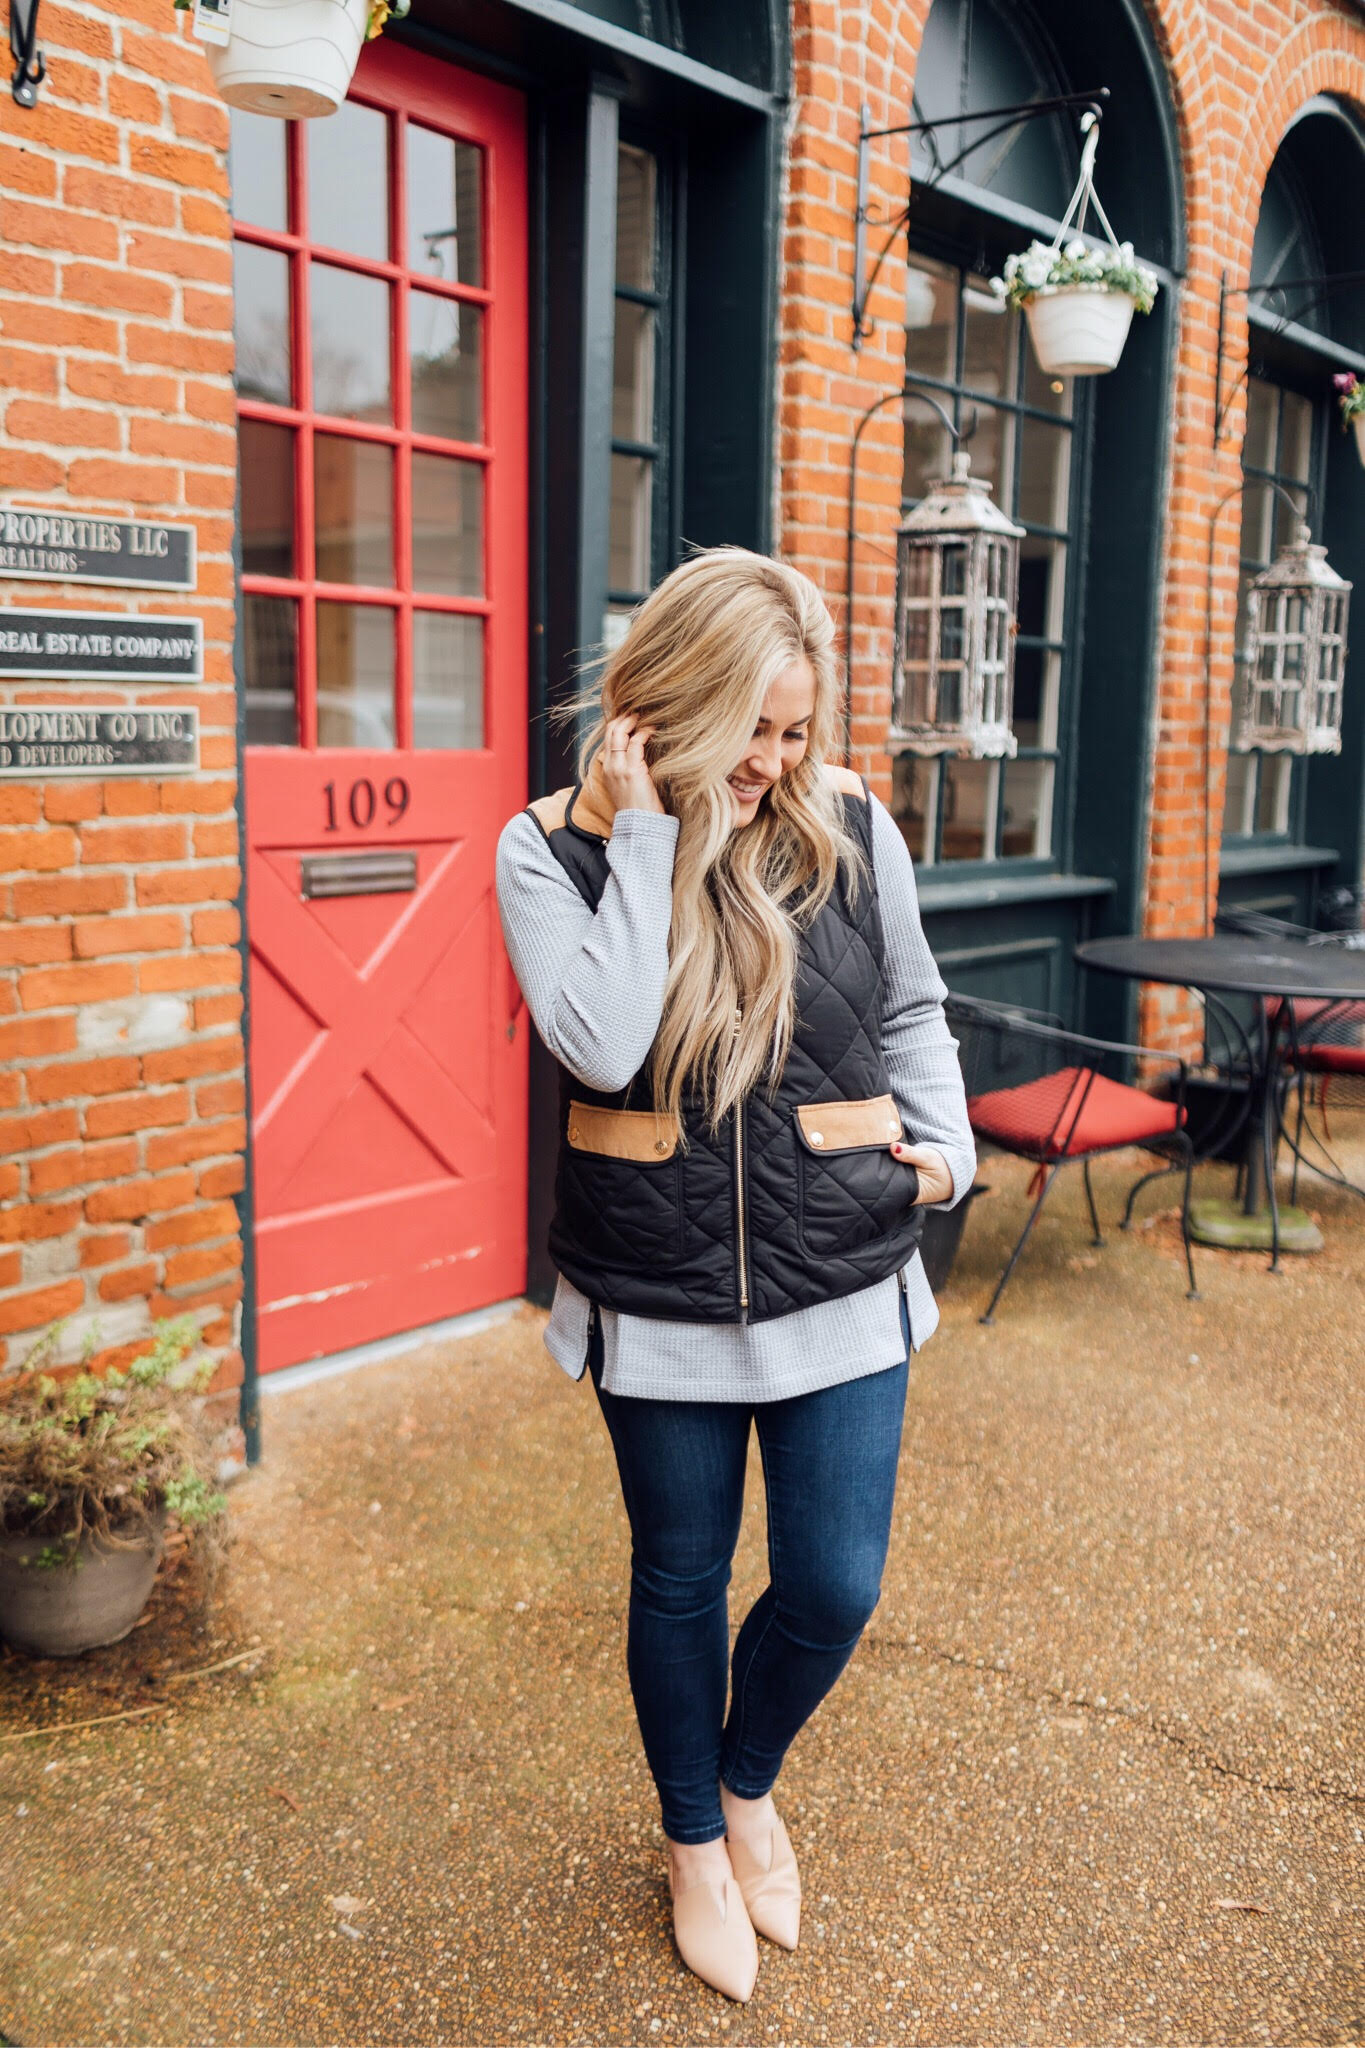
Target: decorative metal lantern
x=1294, y=653
x=957, y=574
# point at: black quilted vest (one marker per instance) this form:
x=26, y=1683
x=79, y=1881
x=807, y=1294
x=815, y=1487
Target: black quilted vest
x=785, y=1206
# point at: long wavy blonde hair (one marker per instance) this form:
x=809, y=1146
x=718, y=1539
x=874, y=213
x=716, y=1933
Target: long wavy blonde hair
x=700, y=656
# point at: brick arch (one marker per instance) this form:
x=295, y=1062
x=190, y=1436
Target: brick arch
x=1237, y=145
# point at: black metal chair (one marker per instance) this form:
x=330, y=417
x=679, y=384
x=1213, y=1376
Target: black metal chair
x=1321, y=1042
x=1054, y=1096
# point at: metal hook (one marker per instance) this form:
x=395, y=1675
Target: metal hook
x=30, y=65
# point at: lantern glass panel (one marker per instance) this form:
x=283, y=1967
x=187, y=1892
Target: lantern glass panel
x=951, y=633
x=915, y=634
x=949, y=697
x=953, y=578
x=919, y=572
x=917, y=709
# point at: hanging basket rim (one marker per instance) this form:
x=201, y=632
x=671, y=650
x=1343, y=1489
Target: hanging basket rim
x=1094, y=289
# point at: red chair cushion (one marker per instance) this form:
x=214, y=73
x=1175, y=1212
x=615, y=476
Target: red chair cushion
x=1061, y=1117
x=1331, y=1059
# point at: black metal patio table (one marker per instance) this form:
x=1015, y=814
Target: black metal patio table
x=1276, y=972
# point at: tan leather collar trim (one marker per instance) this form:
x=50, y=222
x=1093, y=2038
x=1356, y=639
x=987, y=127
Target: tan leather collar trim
x=590, y=808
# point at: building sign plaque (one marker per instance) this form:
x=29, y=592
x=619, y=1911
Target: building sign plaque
x=39, y=740
x=76, y=547
x=114, y=647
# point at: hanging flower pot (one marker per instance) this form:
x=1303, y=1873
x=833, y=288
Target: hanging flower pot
x=1351, y=399
x=292, y=58
x=1078, y=330
x=1078, y=299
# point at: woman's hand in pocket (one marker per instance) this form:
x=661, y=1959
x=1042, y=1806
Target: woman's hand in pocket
x=935, y=1179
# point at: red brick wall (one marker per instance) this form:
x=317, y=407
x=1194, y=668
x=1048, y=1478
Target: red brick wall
x=1236, y=77
x=121, y=1079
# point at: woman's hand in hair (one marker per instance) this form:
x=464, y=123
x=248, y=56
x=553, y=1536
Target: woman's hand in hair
x=625, y=771
x=935, y=1178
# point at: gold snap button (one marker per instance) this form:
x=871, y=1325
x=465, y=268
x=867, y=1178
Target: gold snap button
x=573, y=1134
x=894, y=1129
x=661, y=1144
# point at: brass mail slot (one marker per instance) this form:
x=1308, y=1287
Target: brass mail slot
x=358, y=874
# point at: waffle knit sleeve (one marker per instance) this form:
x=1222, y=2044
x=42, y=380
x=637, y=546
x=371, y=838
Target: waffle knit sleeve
x=919, y=1049
x=593, y=980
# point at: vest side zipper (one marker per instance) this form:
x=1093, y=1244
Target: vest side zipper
x=741, y=1245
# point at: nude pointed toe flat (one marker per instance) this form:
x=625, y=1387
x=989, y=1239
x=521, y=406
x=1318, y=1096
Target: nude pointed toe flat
x=765, y=1870
x=716, y=1938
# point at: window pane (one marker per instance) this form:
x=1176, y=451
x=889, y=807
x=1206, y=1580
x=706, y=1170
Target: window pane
x=1044, y=465
x=256, y=168
x=1237, y=801
x=353, y=486
x=632, y=397
x=348, y=181
x=260, y=286
x=1027, y=723
x=445, y=207
x=1272, y=799
x=1257, y=505
x=447, y=525
x=989, y=341
x=350, y=344
x=1258, y=448
x=1042, y=389
x=446, y=347
x=930, y=320
x=1042, y=587
x=927, y=450
x=355, y=675
x=447, y=680
x=266, y=455
x=990, y=447
x=1287, y=517
x=1296, y=436
x=1025, y=827
x=632, y=490
x=913, y=785
x=636, y=213
x=967, y=804
x=271, y=636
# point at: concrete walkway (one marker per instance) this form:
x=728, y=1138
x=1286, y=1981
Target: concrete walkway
x=1096, y=1775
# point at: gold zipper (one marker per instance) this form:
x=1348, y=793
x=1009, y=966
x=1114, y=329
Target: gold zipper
x=739, y=1196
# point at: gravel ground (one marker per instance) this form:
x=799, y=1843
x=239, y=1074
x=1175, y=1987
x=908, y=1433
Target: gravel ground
x=1094, y=1776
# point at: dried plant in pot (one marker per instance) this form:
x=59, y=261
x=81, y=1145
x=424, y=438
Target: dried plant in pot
x=93, y=1470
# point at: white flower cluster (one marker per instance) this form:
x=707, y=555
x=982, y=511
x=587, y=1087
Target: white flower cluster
x=1043, y=269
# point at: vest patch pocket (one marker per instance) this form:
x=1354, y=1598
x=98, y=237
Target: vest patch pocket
x=850, y=1191
x=621, y=1181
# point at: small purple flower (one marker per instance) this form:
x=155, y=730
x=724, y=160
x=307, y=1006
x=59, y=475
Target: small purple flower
x=1346, y=381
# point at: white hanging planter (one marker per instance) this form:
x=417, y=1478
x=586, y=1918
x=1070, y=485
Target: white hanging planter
x=1078, y=330
x=291, y=58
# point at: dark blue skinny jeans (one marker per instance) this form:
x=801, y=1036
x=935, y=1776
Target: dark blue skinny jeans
x=829, y=1472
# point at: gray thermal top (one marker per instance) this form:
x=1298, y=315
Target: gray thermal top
x=594, y=984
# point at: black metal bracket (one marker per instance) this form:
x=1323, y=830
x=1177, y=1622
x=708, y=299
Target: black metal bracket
x=1005, y=118
x=1318, y=289
x=30, y=65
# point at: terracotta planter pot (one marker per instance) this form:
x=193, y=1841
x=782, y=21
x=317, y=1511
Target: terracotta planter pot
x=292, y=58
x=1358, y=429
x=1078, y=330
x=59, y=1613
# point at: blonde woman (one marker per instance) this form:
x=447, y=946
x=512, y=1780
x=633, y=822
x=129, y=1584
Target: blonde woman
x=717, y=934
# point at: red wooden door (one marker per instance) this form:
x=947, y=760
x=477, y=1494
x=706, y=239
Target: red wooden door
x=381, y=334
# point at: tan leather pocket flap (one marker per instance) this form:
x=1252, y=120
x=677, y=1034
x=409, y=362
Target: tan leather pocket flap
x=842, y=1126
x=622, y=1133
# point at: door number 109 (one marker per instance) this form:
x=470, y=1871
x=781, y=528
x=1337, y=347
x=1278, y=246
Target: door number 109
x=362, y=801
